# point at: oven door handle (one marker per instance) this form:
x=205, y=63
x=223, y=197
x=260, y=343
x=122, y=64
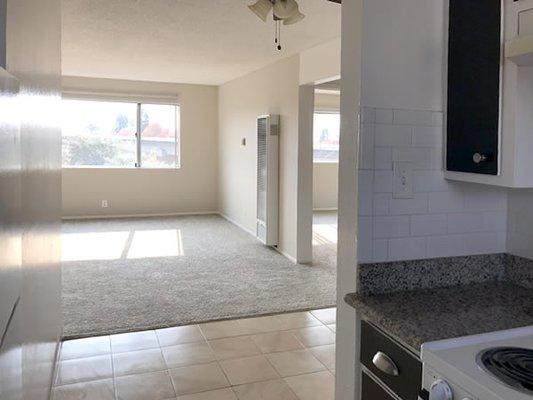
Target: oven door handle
x=385, y=364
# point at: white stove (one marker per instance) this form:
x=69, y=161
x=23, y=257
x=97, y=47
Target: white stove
x=492, y=366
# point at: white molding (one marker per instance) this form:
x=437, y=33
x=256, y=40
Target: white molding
x=249, y=231
x=103, y=216
x=326, y=209
x=232, y=221
x=289, y=257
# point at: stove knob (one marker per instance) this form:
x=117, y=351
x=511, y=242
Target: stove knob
x=440, y=390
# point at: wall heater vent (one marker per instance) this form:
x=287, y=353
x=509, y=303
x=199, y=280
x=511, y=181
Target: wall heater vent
x=267, y=179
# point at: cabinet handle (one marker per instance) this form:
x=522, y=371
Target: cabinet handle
x=478, y=157
x=385, y=364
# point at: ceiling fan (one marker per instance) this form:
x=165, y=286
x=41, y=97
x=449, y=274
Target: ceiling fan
x=286, y=11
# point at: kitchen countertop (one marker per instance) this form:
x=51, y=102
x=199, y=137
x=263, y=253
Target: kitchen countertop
x=419, y=316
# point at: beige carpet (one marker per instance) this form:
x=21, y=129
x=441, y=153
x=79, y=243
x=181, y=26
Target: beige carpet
x=134, y=274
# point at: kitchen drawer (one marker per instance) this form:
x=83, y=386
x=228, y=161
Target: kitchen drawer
x=370, y=390
x=405, y=378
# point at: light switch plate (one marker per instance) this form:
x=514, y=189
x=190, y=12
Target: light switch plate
x=402, y=182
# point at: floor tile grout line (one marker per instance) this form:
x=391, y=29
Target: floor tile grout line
x=115, y=390
x=208, y=342
x=229, y=386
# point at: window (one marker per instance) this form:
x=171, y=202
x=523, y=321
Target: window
x=104, y=133
x=326, y=133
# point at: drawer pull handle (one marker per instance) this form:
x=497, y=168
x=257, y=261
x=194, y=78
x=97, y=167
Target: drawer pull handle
x=385, y=364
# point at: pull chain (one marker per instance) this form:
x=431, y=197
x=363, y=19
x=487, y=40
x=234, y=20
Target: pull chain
x=279, y=34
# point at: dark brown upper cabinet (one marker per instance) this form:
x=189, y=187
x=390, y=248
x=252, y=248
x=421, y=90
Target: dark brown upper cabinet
x=473, y=93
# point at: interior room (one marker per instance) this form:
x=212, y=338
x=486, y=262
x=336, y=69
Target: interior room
x=266, y=199
x=160, y=194
x=326, y=134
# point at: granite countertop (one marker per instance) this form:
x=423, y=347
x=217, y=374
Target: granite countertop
x=419, y=316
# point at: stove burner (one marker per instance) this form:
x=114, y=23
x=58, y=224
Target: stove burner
x=511, y=365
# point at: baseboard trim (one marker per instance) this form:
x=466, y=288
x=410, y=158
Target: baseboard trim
x=238, y=225
x=288, y=256
x=103, y=216
x=326, y=209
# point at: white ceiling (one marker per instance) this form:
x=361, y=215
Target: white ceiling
x=186, y=41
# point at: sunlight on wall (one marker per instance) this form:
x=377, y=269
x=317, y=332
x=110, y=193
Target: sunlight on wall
x=121, y=245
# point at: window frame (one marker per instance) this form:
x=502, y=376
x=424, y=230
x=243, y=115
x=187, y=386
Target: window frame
x=138, y=135
x=324, y=111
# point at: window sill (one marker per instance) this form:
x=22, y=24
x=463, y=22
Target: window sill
x=74, y=168
x=325, y=162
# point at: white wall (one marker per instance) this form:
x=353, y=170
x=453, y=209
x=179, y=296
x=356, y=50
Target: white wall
x=30, y=179
x=325, y=186
x=403, y=54
x=191, y=188
x=320, y=63
x=520, y=223
x=271, y=90
x=402, y=99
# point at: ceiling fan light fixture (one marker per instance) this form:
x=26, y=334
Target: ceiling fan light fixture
x=284, y=9
x=261, y=8
x=296, y=17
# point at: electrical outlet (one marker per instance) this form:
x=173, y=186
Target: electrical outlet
x=105, y=204
x=402, y=185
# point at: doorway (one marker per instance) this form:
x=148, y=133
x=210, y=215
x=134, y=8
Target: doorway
x=326, y=135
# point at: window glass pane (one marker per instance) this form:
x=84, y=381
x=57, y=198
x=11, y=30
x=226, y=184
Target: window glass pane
x=326, y=132
x=97, y=133
x=160, y=136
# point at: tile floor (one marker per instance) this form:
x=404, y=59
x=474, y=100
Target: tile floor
x=280, y=357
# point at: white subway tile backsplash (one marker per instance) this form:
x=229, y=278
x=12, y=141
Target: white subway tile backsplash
x=490, y=200
x=366, y=147
x=384, y=116
x=381, y=203
x=383, y=158
x=411, y=248
x=413, y=117
x=391, y=226
x=392, y=135
x=382, y=181
x=444, y=218
x=446, y=246
x=440, y=202
x=427, y=136
x=430, y=181
x=368, y=115
x=366, y=198
x=437, y=159
x=429, y=224
x=417, y=205
x=438, y=118
x=364, y=239
x=419, y=157
x=483, y=243
x=496, y=221
x=466, y=222
x=381, y=250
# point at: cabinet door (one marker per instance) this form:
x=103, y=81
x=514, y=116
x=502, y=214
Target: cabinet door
x=370, y=390
x=474, y=64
